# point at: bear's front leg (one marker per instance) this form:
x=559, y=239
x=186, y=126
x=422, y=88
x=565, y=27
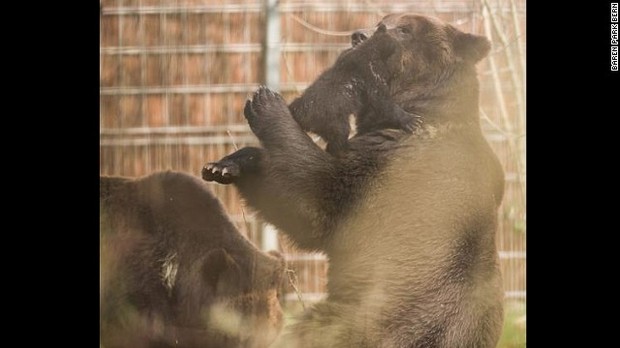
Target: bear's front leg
x=287, y=180
x=241, y=164
x=270, y=119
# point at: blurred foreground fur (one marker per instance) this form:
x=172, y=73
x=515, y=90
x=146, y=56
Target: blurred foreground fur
x=175, y=272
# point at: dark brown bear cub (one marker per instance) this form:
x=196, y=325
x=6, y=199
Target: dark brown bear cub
x=356, y=84
x=407, y=221
x=175, y=272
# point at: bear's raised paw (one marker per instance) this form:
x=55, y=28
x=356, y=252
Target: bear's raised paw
x=233, y=166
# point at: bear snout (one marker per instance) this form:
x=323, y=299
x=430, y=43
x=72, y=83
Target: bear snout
x=358, y=37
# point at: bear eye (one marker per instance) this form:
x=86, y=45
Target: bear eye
x=404, y=30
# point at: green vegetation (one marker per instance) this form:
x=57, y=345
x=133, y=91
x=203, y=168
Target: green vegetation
x=513, y=335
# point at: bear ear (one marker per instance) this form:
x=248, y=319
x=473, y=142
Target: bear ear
x=471, y=47
x=221, y=271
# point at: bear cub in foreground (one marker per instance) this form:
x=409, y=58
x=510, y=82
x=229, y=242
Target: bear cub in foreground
x=356, y=84
x=176, y=272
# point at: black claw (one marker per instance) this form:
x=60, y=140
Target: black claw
x=218, y=173
x=413, y=121
x=207, y=175
x=261, y=90
x=247, y=110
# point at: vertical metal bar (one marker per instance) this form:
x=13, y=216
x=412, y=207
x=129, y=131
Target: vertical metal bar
x=271, y=53
x=121, y=75
x=100, y=61
x=247, y=66
x=148, y=166
x=270, y=237
x=272, y=44
x=141, y=35
x=180, y=149
x=184, y=34
x=118, y=154
x=165, y=66
x=230, y=116
x=206, y=117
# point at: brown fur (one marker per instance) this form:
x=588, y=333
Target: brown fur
x=407, y=221
x=175, y=272
x=355, y=84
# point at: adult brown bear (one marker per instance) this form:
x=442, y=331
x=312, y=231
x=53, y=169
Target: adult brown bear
x=175, y=272
x=407, y=221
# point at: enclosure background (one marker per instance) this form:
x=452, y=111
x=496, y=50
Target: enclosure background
x=174, y=76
